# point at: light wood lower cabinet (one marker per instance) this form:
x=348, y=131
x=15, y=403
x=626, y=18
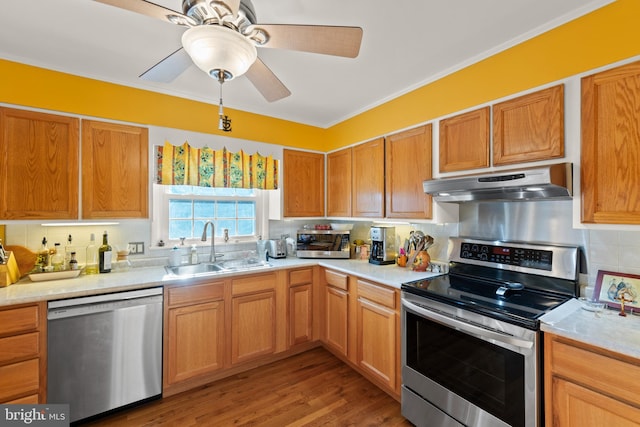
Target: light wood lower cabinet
x=589, y=386
x=194, y=331
x=377, y=333
x=253, y=330
x=336, y=319
x=23, y=354
x=300, y=315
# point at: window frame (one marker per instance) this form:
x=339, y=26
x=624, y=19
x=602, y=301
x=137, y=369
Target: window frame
x=160, y=223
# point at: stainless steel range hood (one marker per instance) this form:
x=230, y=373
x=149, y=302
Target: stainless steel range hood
x=536, y=183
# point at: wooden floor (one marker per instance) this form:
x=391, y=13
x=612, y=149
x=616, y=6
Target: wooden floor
x=310, y=389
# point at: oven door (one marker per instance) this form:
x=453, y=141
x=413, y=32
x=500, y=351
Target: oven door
x=467, y=367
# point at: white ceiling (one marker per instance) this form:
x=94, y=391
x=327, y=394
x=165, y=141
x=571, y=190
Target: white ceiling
x=406, y=44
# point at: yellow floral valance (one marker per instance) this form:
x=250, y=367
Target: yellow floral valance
x=204, y=167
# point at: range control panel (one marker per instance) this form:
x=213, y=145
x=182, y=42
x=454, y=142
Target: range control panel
x=521, y=257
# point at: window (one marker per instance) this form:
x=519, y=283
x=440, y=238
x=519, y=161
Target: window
x=182, y=211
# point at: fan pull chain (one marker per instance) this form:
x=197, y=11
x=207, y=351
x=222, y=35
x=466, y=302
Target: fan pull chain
x=224, y=123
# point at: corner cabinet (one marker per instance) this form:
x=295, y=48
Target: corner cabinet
x=408, y=164
x=610, y=170
x=303, y=184
x=339, y=183
x=367, y=188
x=589, y=386
x=38, y=165
x=114, y=170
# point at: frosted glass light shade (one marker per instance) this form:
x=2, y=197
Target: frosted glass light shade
x=214, y=47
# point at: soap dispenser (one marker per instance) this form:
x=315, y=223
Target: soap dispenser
x=193, y=259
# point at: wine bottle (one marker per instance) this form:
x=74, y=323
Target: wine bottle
x=92, y=256
x=104, y=255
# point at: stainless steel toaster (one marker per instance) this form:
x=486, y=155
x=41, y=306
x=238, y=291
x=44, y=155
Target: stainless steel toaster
x=277, y=248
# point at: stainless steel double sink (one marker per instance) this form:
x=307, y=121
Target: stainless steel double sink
x=212, y=268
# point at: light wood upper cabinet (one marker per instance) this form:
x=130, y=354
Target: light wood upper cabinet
x=610, y=170
x=464, y=141
x=303, y=184
x=38, y=166
x=368, y=179
x=408, y=164
x=339, y=183
x=114, y=170
x=589, y=386
x=529, y=128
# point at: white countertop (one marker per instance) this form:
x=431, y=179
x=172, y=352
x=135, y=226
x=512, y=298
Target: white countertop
x=605, y=329
x=26, y=291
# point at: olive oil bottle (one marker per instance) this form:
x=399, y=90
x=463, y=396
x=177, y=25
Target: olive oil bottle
x=104, y=255
x=92, y=256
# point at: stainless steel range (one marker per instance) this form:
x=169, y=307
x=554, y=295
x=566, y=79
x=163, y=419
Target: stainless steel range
x=471, y=344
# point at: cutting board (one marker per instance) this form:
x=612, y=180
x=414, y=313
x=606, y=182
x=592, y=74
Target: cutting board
x=25, y=258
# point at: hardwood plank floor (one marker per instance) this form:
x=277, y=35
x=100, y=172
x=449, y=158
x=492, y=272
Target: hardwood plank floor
x=310, y=389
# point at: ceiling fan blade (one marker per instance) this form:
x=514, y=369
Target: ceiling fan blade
x=151, y=9
x=266, y=82
x=169, y=68
x=328, y=40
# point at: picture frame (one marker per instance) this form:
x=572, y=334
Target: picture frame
x=611, y=285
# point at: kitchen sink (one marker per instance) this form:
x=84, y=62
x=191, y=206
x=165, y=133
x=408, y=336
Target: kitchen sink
x=207, y=268
x=193, y=269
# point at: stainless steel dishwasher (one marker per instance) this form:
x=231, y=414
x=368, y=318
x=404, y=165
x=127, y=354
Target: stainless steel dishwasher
x=104, y=351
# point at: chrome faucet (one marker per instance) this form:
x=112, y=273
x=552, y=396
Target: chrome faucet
x=212, y=257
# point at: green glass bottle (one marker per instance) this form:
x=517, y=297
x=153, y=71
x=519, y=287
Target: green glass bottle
x=104, y=255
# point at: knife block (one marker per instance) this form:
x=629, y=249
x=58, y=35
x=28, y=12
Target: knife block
x=9, y=272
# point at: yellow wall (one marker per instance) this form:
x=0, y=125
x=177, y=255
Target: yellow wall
x=605, y=36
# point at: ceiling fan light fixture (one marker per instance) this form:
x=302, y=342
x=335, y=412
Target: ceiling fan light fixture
x=215, y=47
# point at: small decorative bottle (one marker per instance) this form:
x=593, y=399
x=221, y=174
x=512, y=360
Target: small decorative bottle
x=73, y=262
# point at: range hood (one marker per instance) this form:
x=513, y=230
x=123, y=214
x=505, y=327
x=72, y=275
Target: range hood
x=547, y=182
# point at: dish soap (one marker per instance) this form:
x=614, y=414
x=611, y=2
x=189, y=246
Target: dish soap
x=193, y=259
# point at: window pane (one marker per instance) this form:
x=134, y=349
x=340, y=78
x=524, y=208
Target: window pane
x=203, y=209
x=226, y=223
x=246, y=210
x=180, y=228
x=246, y=227
x=225, y=191
x=179, y=208
x=198, y=226
x=226, y=210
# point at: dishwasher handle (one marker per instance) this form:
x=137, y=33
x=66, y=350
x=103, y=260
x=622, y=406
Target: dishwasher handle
x=103, y=303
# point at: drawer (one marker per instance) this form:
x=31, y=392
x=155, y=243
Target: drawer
x=19, y=347
x=19, y=379
x=339, y=280
x=594, y=370
x=195, y=293
x=20, y=319
x=378, y=294
x=32, y=399
x=300, y=277
x=254, y=283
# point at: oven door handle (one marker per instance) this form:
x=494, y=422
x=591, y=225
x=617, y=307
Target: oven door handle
x=470, y=328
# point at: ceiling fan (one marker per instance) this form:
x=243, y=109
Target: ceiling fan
x=222, y=37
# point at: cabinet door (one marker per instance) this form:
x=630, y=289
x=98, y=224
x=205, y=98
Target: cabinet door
x=577, y=406
x=303, y=184
x=464, y=141
x=195, y=341
x=300, y=314
x=367, y=189
x=529, y=128
x=336, y=318
x=114, y=170
x=610, y=170
x=38, y=165
x=377, y=341
x=408, y=164
x=339, y=183
x=253, y=329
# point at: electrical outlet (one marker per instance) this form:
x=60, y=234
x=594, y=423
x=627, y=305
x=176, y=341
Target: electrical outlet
x=136, y=248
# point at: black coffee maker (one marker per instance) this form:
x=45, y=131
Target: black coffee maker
x=383, y=245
